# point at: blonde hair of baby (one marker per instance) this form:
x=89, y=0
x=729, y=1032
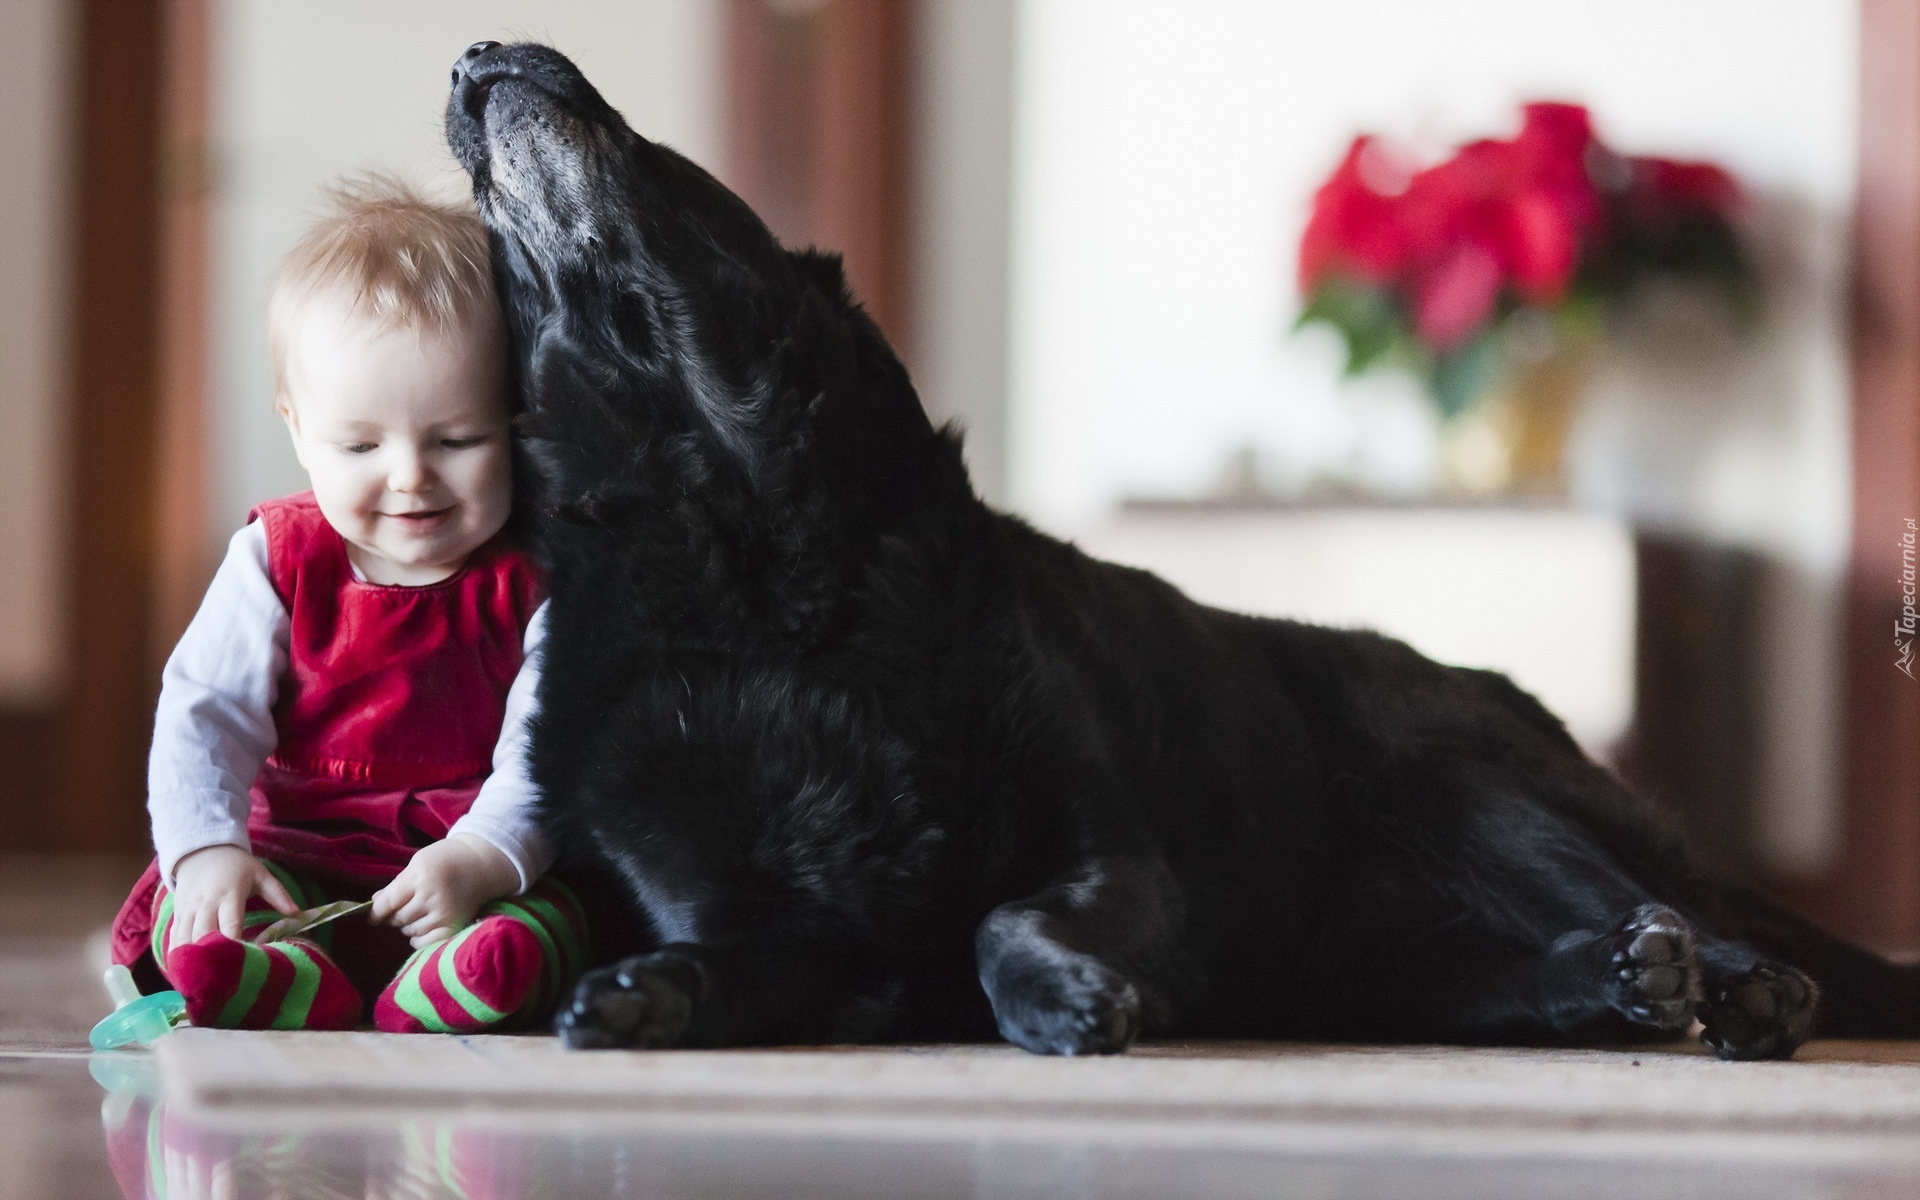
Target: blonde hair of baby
x=400, y=260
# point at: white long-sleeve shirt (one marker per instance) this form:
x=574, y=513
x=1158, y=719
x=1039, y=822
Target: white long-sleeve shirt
x=214, y=727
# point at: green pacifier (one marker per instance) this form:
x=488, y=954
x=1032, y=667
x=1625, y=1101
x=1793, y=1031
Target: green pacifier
x=136, y=1020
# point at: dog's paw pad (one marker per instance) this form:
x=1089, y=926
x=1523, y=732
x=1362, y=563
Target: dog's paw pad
x=639, y=1003
x=1082, y=1008
x=1655, y=977
x=1765, y=1013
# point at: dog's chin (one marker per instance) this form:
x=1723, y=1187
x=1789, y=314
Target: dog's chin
x=529, y=210
x=541, y=190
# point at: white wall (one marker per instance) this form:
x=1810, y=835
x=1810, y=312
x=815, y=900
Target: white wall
x=964, y=139
x=1165, y=155
x=35, y=133
x=308, y=90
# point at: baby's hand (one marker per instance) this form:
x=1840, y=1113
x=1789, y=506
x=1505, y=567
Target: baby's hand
x=211, y=887
x=444, y=885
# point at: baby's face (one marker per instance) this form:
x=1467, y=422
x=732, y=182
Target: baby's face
x=404, y=435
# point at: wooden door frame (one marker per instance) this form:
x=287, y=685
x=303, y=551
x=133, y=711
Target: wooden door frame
x=110, y=428
x=135, y=478
x=185, y=557
x=1873, y=892
x=819, y=118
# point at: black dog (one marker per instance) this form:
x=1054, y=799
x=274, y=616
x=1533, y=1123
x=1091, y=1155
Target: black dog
x=861, y=747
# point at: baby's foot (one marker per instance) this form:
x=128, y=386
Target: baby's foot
x=276, y=985
x=503, y=971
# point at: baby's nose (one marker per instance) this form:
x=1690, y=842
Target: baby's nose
x=409, y=473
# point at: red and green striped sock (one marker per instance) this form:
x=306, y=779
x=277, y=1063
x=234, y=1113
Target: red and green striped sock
x=504, y=970
x=229, y=984
x=278, y=985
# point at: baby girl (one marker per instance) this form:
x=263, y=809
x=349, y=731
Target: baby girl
x=344, y=717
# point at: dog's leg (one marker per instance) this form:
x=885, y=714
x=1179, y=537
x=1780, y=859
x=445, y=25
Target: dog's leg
x=735, y=976
x=1082, y=967
x=1656, y=972
x=1643, y=970
x=1641, y=974
x=735, y=965
x=724, y=993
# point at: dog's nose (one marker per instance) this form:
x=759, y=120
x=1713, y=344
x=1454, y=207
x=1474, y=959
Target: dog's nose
x=465, y=60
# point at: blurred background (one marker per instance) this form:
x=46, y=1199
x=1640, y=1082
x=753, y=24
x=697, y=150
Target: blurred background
x=1079, y=221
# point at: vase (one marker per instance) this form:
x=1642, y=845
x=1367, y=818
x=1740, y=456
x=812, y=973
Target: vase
x=1512, y=441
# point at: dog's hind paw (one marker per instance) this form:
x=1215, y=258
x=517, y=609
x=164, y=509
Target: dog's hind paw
x=1081, y=1008
x=646, y=1002
x=1765, y=1013
x=1655, y=977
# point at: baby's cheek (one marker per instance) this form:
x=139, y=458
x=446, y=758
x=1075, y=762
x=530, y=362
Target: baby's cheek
x=491, y=488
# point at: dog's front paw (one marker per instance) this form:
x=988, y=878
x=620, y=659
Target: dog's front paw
x=1765, y=1013
x=1655, y=977
x=1076, y=1007
x=648, y=1001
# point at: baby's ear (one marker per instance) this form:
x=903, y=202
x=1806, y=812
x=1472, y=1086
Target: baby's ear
x=284, y=407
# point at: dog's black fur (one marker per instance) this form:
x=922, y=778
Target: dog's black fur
x=877, y=761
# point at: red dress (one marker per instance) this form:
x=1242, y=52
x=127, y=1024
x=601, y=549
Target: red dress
x=388, y=711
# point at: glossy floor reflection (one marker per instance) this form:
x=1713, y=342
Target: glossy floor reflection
x=68, y=1136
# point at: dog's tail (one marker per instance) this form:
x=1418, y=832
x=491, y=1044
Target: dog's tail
x=1861, y=993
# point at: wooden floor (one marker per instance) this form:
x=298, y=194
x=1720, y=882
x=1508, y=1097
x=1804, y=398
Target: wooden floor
x=51, y=1142
x=1855, y=1100
x=321, y=1115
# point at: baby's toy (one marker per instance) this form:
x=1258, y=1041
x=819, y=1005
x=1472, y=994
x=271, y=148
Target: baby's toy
x=309, y=919
x=135, y=1019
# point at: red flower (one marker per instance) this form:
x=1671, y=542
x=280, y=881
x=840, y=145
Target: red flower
x=1458, y=240
x=1525, y=206
x=1457, y=295
x=1354, y=227
x=1553, y=140
x=1544, y=233
x=1554, y=210
x=1510, y=221
x=1665, y=187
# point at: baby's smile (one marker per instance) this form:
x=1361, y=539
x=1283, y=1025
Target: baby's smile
x=403, y=433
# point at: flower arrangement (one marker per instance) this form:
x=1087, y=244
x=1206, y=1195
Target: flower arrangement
x=1423, y=269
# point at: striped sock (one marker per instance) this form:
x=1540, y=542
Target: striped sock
x=278, y=985
x=229, y=984
x=504, y=970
